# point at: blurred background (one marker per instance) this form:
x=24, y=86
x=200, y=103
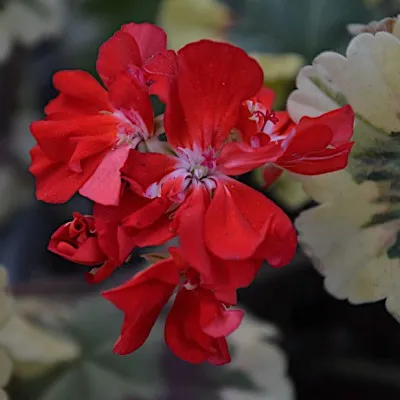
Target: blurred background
x=60, y=343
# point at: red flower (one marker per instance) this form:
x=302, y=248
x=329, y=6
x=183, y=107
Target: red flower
x=152, y=225
x=198, y=322
x=213, y=214
x=139, y=49
x=87, y=134
x=77, y=241
x=312, y=147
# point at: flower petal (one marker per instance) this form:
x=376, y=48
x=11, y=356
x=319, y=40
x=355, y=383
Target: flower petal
x=339, y=121
x=271, y=174
x=149, y=38
x=80, y=94
x=142, y=299
x=280, y=244
x=228, y=274
x=190, y=227
x=99, y=274
x=143, y=169
x=224, y=323
x=104, y=186
x=238, y=220
x=160, y=72
x=213, y=80
x=322, y=162
x=131, y=97
x=55, y=183
x=175, y=335
x=238, y=158
x=116, y=55
x=155, y=235
x=60, y=138
x=113, y=238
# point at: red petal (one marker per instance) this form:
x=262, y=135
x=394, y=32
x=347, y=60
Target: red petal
x=142, y=299
x=239, y=158
x=164, y=272
x=145, y=169
x=104, y=186
x=266, y=97
x=213, y=80
x=131, y=97
x=113, y=238
x=175, y=335
x=322, y=162
x=160, y=71
x=279, y=246
x=75, y=242
x=235, y=274
x=271, y=174
x=60, y=139
x=239, y=219
x=149, y=38
x=155, y=235
x=224, y=323
x=190, y=227
x=97, y=275
x=80, y=95
x=55, y=183
x=89, y=253
x=116, y=54
x=339, y=121
x=136, y=329
x=226, y=296
x=147, y=215
x=223, y=356
x=314, y=138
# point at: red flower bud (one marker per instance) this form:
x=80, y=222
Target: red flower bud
x=77, y=241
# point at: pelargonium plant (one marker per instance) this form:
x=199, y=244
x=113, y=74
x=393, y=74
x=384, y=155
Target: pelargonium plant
x=353, y=236
x=104, y=142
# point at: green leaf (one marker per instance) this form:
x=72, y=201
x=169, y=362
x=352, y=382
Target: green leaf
x=237, y=379
x=99, y=374
x=382, y=218
x=394, y=251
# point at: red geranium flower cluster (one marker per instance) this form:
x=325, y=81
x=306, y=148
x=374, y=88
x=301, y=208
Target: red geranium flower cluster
x=105, y=143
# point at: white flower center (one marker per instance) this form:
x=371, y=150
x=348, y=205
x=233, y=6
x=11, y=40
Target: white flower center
x=130, y=133
x=194, y=167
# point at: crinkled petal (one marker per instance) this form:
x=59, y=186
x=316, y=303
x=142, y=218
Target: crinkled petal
x=89, y=253
x=55, y=183
x=80, y=94
x=60, y=138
